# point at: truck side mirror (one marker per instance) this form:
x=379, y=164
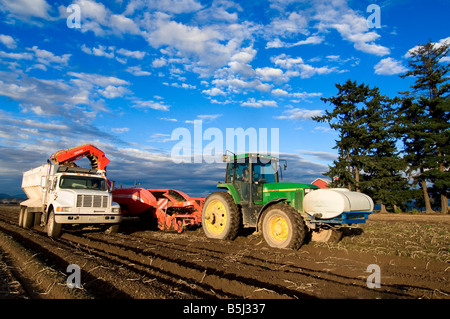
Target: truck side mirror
x=43, y=181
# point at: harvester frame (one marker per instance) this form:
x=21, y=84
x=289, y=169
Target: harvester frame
x=173, y=210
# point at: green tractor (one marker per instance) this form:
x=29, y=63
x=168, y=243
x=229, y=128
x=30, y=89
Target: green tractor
x=286, y=213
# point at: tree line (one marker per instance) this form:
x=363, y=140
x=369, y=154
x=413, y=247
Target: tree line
x=396, y=149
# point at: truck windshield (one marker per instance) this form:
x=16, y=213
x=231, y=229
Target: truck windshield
x=82, y=182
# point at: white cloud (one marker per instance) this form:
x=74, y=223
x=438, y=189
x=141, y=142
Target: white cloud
x=112, y=92
x=277, y=43
x=213, y=92
x=26, y=9
x=46, y=57
x=305, y=95
x=183, y=85
x=350, y=25
x=237, y=85
x=16, y=56
x=298, y=95
x=97, y=79
x=169, y=6
x=200, y=44
x=389, y=66
x=100, y=20
x=100, y=51
x=268, y=74
x=8, y=41
x=218, y=12
x=252, y=102
x=137, y=71
x=201, y=49
x=209, y=117
x=160, y=62
x=151, y=105
x=326, y=156
x=280, y=92
x=297, y=67
x=299, y=114
x=120, y=130
x=132, y=54
x=445, y=41
x=122, y=25
x=168, y=119
x=293, y=24
x=77, y=99
x=372, y=48
x=286, y=61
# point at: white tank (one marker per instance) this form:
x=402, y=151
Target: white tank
x=330, y=203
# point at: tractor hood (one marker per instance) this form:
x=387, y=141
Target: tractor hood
x=292, y=192
x=287, y=187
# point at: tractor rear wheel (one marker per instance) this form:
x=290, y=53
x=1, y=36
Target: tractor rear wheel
x=220, y=216
x=283, y=227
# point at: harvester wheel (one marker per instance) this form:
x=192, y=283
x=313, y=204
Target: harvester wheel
x=326, y=235
x=283, y=227
x=220, y=216
x=53, y=229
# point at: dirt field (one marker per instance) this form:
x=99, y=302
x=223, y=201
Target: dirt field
x=412, y=252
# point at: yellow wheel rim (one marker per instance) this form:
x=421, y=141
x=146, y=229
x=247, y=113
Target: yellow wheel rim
x=278, y=228
x=215, y=217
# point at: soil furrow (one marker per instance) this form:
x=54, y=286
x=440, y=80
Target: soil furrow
x=140, y=263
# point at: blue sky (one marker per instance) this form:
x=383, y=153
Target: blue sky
x=133, y=72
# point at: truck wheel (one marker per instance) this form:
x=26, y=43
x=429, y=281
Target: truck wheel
x=21, y=214
x=283, y=227
x=329, y=235
x=28, y=218
x=220, y=216
x=53, y=229
x=113, y=229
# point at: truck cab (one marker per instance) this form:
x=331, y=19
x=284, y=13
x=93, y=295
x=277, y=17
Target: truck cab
x=62, y=195
x=82, y=196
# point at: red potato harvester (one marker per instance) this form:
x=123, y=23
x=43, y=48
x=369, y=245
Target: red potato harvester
x=174, y=210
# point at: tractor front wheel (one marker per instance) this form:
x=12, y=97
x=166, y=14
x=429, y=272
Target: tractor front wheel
x=283, y=227
x=220, y=216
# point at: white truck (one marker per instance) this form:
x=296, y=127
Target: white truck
x=60, y=194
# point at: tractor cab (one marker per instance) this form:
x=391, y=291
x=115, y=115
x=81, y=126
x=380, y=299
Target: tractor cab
x=248, y=173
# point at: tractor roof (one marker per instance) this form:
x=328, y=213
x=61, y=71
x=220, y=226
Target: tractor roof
x=229, y=158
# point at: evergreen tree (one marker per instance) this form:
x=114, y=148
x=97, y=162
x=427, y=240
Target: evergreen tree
x=347, y=119
x=424, y=121
x=383, y=168
x=368, y=159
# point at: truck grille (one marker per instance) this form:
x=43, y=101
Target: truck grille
x=96, y=201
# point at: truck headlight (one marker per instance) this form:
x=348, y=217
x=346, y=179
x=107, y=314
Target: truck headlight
x=115, y=210
x=63, y=209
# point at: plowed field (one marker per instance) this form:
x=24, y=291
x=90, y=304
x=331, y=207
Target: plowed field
x=412, y=252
